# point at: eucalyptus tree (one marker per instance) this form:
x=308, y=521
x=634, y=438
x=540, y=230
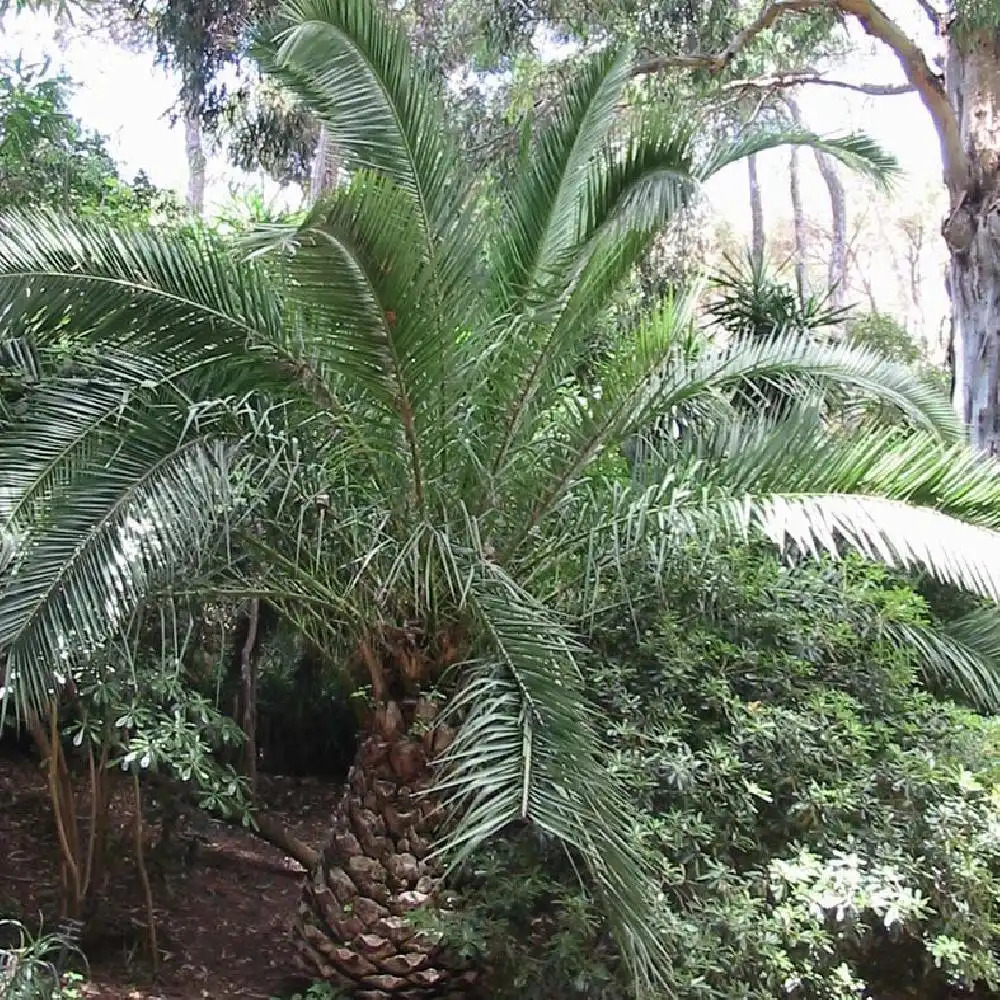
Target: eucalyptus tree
x=961, y=94
x=203, y=42
x=369, y=418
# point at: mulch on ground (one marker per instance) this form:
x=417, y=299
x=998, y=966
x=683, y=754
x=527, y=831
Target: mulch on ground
x=222, y=920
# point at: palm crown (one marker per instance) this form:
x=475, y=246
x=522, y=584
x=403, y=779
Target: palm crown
x=375, y=405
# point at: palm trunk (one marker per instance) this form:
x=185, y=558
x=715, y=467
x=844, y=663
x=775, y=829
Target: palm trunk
x=973, y=235
x=756, y=212
x=352, y=925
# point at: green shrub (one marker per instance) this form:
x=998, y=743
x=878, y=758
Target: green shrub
x=885, y=334
x=824, y=824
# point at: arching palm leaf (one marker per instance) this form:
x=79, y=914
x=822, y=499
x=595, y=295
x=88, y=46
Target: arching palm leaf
x=115, y=534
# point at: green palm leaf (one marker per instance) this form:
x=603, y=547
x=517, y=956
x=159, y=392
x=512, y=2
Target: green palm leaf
x=542, y=220
x=19, y=356
x=143, y=289
x=856, y=151
x=798, y=454
x=945, y=661
x=635, y=184
x=528, y=750
x=115, y=534
x=75, y=421
x=353, y=68
x=657, y=375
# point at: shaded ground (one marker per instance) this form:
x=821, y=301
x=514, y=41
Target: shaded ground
x=222, y=918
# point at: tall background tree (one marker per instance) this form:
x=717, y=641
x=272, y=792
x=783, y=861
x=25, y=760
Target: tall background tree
x=963, y=101
x=204, y=42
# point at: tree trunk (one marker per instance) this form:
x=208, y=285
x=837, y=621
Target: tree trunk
x=325, y=168
x=799, y=224
x=837, y=274
x=756, y=212
x=352, y=923
x=837, y=268
x=972, y=232
x=248, y=700
x=195, y=149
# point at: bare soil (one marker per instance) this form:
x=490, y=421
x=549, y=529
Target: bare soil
x=222, y=919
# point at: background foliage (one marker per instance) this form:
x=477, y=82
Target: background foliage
x=824, y=823
x=48, y=158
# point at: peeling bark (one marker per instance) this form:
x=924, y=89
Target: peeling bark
x=972, y=232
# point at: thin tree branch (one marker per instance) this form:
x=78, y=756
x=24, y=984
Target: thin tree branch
x=718, y=61
x=780, y=81
x=935, y=15
x=878, y=25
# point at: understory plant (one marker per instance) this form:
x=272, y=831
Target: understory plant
x=38, y=966
x=126, y=722
x=823, y=825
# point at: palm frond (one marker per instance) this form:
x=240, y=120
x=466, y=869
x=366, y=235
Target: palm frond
x=542, y=218
x=353, y=67
x=638, y=181
x=945, y=661
x=356, y=266
x=897, y=501
x=979, y=630
x=143, y=289
x=371, y=306
x=791, y=356
x=114, y=534
x=19, y=357
x=77, y=420
x=887, y=531
x=856, y=151
x=635, y=185
x=657, y=374
x=528, y=750
x=799, y=454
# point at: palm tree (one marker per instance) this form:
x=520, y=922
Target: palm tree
x=368, y=418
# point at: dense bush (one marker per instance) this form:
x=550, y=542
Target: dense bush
x=824, y=824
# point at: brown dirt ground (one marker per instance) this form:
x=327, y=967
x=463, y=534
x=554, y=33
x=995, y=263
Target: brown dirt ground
x=222, y=922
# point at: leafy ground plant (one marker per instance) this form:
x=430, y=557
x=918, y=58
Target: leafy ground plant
x=35, y=967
